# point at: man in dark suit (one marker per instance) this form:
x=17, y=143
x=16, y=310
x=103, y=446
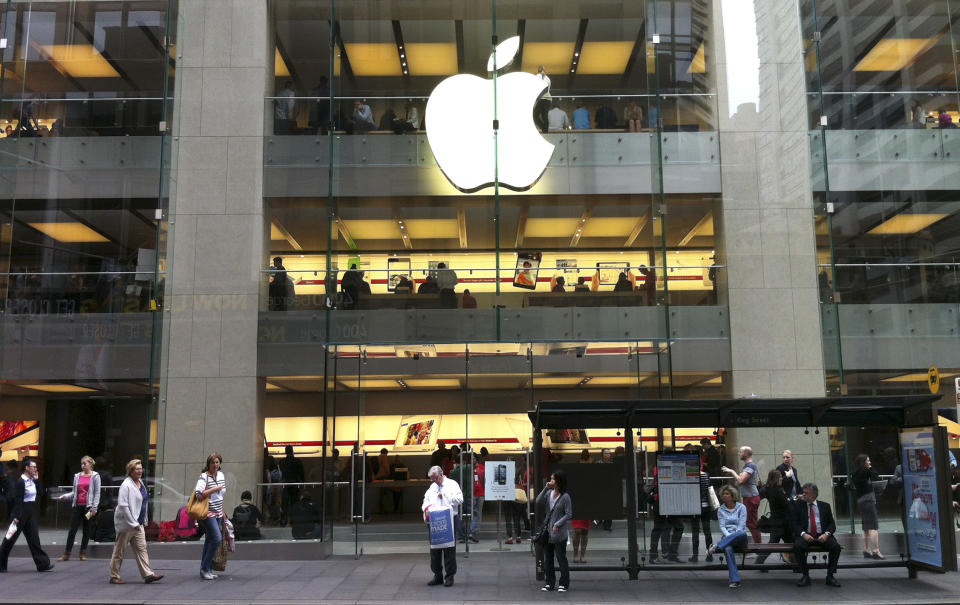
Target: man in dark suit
x=813, y=523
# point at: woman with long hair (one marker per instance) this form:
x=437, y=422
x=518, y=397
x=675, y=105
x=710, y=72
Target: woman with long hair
x=84, y=504
x=779, y=511
x=557, y=523
x=732, y=516
x=863, y=478
x=211, y=485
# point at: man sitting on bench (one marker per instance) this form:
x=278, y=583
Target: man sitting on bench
x=814, y=525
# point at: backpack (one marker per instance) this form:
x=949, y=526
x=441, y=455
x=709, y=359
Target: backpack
x=243, y=516
x=166, y=532
x=185, y=528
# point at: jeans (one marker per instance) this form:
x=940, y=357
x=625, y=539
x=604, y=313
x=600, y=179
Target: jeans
x=728, y=544
x=211, y=531
x=477, y=511
x=560, y=550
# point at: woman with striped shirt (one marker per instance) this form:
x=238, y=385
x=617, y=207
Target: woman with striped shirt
x=212, y=485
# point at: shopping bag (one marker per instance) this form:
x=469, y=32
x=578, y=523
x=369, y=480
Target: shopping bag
x=441, y=527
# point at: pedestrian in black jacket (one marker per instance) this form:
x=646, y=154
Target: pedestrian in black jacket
x=27, y=491
x=781, y=524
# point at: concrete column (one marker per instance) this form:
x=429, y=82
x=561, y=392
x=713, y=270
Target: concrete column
x=768, y=241
x=211, y=397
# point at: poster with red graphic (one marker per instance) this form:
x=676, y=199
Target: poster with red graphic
x=14, y=428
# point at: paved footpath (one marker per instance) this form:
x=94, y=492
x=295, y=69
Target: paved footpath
x=483, y=578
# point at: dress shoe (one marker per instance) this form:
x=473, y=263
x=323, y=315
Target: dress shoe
x=117, y=581
x=878, y=556
x=448, y=581
x=831, y=581
x=694, y=559
x=709, y=558
x=49, y=567
x=674, y=559
x=153, y=578
x=474, y=539
x=435, y=582
x=804, y=581
x=867, y=555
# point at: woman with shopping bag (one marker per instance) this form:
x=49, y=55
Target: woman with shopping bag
x=211, y=486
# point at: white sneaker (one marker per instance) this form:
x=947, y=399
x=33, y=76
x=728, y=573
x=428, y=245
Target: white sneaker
x=214, y=574
x=206, y=575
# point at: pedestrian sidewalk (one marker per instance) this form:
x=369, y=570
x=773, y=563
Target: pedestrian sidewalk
x=481, y=578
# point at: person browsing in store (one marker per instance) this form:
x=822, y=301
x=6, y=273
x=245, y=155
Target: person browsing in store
x=443, y=492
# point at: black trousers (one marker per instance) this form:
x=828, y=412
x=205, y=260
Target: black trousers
x=558, y=550
x=778, y=532
x=701, y=523
x=27, y=525
x=441, y=558
x=291, y=493
x=801, y=546
x=670, y=543
x=78, y=520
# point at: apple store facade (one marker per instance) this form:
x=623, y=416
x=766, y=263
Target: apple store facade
x=358, y=228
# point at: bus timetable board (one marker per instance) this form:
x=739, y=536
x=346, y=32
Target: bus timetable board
x=678, y=484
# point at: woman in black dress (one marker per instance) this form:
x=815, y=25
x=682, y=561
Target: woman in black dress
x=779, y=511
x=863, y=478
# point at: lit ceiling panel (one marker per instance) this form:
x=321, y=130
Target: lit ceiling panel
x=57, y=388
x=69, y=233
x=699, y=63
x=423, y=228
x=893, y=54
x=373, y=59
x=433, y=383
x=554, y=56
x=79, y=61
x=551, y=227
x=431, y=58
x=905, y=224
x=373, y=229
x=600, y=58
x=280, y=68
x=608, y=226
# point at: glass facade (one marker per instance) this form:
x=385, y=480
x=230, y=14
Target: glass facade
x=85, y=96
x=380, y=243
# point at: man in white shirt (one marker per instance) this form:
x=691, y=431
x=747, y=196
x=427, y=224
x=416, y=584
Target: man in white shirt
x=362, y=117
x=284, y=108
x=813, y=523
x=557, y=119
x=443, y=492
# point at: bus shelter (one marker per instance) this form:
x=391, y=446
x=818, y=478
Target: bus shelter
x=927, y=504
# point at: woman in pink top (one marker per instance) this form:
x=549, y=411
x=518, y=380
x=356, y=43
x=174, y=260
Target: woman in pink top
x=85, y=501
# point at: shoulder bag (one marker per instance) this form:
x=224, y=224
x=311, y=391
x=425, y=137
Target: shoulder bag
x=197, y=509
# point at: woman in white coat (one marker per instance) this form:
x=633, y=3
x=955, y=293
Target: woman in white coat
x=128, y=520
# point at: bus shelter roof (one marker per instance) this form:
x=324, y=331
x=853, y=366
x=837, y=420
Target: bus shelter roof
x=752, y=412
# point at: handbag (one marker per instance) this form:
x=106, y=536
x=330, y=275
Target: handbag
x=197, y=509
x=220, y=558
x=764, y=525
x=521, y=496
x=714, y=501
x=542, y=536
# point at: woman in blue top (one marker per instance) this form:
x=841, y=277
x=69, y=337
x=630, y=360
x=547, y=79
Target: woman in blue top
x=732, y=516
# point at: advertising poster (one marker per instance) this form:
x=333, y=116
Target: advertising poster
x=499, y=480
x=920, y=496
x=610, y=271
x=397, y=268
x=417, y=432
x=678, y=484
x=525, y=276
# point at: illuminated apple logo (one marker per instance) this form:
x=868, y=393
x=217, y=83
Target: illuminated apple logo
x=459, y=120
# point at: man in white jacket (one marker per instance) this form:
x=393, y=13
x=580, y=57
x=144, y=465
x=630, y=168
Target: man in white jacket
x=443, y=492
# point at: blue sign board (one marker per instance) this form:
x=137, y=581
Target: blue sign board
x=920, y=496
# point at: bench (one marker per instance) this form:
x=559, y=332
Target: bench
x=782, y=549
